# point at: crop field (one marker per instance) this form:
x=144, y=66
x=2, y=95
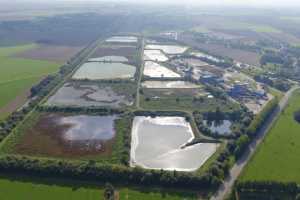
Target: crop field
x=17, y=75
x=277, y=157
x=237, y=54
x=16, y=188
x=53, y=53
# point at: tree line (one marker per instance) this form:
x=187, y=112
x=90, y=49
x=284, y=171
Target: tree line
x=92, y=171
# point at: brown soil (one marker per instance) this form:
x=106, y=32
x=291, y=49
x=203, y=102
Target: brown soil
x=50, y=53
x=247, y=57
x=237, y=54
x=45, y=138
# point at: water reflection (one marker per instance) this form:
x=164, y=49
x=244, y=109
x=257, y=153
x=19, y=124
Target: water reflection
x=222, y=127
x=157, y=144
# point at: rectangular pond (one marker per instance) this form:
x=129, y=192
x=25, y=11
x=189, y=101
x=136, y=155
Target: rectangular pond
x=104, y=70
x=109, y=59
x=169, y=84
x=168, y=49
x=122, y=39
x=157, y=143
x=155, y=55
x=59, y=135
x=85, y=95
x=156, y=70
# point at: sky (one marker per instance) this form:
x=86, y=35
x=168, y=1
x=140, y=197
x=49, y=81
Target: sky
x=255, y=3
x=273, y=3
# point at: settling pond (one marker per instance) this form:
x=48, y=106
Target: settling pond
x=157, y=144
x=101, y=70
x=156, y=70
x=123, y=39
x=88, y=95
x=60, y=135
x=109, y=59
x=169, y=84
x=168, y=49
x=155, y=55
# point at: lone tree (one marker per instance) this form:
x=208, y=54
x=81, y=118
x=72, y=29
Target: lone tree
x=109, y=192
x=297, y=116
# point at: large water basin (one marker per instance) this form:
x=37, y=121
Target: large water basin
x=156, y=70
x=101, y=70
x=87, y=95
x=123, y=39
x=155, y=55
x=157, y=143
x=109, y=59
x=168, y=49
x=169, y=84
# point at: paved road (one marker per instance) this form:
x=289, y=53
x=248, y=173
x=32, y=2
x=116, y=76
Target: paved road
x=235, y=171
x=140, y=75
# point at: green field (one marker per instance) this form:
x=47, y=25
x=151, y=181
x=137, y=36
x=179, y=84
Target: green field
x=18, y=74
x=16, y=189
x=277, y=158
x=187, y=104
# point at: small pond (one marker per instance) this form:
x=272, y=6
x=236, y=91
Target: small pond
x=221, y=127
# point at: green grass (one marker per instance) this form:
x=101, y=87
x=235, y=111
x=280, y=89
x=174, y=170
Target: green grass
x=18, y=74
x=277, y=158
x=187, y=104
x=46, y=189
x=16, y=190
x=9, y=90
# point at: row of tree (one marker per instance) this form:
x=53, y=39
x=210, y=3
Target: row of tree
x=278, y=83
x=267, y=186
x=92, y=171
x=239, y=146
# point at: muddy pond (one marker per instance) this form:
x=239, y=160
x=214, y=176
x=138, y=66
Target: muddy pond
x=88, y=95
x=157, y=143
x=58, y=135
